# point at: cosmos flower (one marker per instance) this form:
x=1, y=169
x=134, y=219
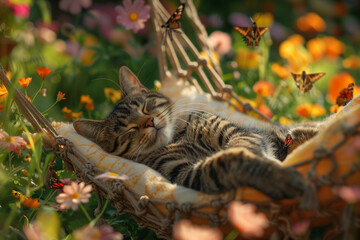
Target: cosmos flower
x=245, y=219
x=104, y=232
x=73, y=195
x=185, y=230
x=133, y=15
x=74, y=6
x=350, y=194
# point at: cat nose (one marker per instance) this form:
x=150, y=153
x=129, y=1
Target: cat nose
x=149, y=122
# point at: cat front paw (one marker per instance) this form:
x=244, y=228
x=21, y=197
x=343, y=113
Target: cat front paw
x=285, y=183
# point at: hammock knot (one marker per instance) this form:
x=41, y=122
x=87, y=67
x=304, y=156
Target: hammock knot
x=186, y=207
x=214, y=220
x=63, y=147
x=321, y=152
x=117, y=189
x=142, y=204
x=89, y=169
x=170, y=205
x=216, y=203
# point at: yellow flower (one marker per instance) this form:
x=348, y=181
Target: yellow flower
x=285, y=121
x=247, y=59
x=263, y=19
x=310, y=110
x=214, y=55
x=112, y=94
x=76, y=115
x=86, y=99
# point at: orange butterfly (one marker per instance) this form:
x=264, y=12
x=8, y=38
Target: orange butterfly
x=251, y=34
x=345, y=95
x=305, y=81
x=174, y=22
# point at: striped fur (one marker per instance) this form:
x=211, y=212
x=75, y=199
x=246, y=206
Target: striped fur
x=197, y=150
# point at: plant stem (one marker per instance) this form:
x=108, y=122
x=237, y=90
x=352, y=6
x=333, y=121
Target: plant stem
x=41, y=86
x=50, y=107
x=85, y=212
x=232, y=235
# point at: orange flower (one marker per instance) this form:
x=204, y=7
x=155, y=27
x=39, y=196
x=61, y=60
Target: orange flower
x=285, y=121
x=337, y=83
x=247, y=59
x=295, y=53
x=335, y=108
x=28, y=98
x=280, y=71
x=86, y=99
x=43, y=72
x=265, y=110
x=264, y=88
x=334, y=47
x=112, y=94
x=27, y=157
x=311, y=23
x=352, y=62
x=31, y=203
x=60, y=96
x=310, y=110
x=76, y=115
x=18, y=195
x=67, y=113
x=2, y=108
x=3, y=93
x=316, y=47
x=24, y=82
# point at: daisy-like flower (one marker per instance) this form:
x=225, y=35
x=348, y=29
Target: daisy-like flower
x=94, y=233
x=245, y=219
x=24, y=82
x=74, y=6
x=111, y=175
x=133, y=15
x=43, y=72
x=185, y=230
x=73, y=195
x=60, y=96
x=12, y=144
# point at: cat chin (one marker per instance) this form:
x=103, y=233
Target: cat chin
x=163, y=137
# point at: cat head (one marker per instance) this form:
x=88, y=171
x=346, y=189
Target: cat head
x=141, y=122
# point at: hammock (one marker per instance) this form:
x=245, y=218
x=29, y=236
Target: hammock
x=327, y=160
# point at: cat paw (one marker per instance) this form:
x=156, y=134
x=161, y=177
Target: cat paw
x=286, y=183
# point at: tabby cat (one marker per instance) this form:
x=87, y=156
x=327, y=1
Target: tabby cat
x=198, y=150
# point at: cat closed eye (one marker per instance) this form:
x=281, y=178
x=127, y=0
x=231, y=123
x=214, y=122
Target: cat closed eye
x=133, y=129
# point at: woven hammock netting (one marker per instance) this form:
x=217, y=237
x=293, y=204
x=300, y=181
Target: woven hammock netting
x=322, y=164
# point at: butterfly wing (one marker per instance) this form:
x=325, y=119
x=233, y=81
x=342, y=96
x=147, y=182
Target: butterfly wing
x=288, y=140
x=173, y=21
x=247, y=34
x=345, y=95
x=259, y=32
x=56, y=183
x=298, y=80
x=314, y=76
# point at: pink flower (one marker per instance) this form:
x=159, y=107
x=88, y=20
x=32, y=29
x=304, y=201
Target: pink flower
x=12, y=144
x=133, y=16
x=20, y=10
x=239, y=19
x=185, y=230
x=221, y=42
x=300, y=227
x=245, y=219
x=74, y=6
x=73, y=195
x=350, y=194
x=33, y=232
x=104, y=232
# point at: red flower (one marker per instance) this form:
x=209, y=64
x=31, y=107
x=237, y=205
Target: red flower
x=60, y=96
x=43, y=72
x=24, y=82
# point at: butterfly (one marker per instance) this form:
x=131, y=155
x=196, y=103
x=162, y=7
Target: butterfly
x=18, y=195
x=173, y=23
x=251, y=34
x=305, y=81
x=288, y=140
x=345, y=95
x=56, y=183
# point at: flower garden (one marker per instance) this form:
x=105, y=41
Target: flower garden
x=64, y=56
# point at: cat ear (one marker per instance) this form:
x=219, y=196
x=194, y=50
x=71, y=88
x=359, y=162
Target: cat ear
x=129, y=83
x=88, y=128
